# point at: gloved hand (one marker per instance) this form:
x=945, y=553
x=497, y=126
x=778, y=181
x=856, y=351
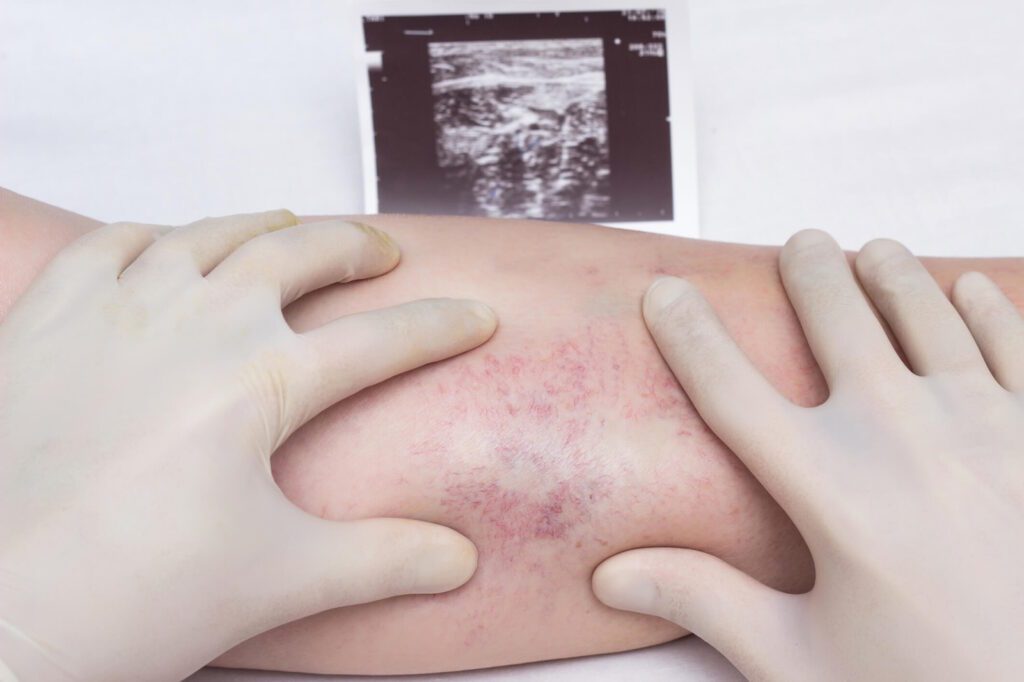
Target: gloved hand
x=908, y=486
x=146, y=377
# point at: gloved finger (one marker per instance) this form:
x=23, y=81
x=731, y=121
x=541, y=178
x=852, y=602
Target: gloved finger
x=305, y=258
x=929, y=330
x=995, y=324
x=353, y=352
x=106, y=251
x=329, y=564
x=755, y=627
x=842, y=331
x=198, y=247
x=731, y=395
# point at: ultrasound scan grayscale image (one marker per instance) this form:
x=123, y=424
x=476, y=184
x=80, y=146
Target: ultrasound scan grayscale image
x=521, y=127
x=551, y=116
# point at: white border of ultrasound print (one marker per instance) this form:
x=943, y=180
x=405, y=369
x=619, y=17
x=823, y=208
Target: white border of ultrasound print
x=685, y=222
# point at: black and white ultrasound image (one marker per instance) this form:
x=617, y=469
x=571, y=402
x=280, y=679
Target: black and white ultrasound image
x=521, y=127
x=558, y=116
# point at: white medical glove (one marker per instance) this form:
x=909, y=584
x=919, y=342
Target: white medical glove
x=908, y=487
x=146, y=377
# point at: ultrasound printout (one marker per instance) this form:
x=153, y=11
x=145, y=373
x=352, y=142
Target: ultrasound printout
x=558, y=116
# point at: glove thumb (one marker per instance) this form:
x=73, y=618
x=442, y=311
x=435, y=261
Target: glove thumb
x=749, y=623
x=330, y=564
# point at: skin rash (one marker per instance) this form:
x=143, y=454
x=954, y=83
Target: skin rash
x=562, y=441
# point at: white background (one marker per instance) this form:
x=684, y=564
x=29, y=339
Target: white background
x=869, y=118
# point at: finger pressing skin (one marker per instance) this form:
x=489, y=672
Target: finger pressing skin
x=996, y=325
x=305, y=258
x=847, y=340
x=353, y=352
x=755, y=627
x=731, y=395
x=927, y=327
x=330, y=564
x=198, y=247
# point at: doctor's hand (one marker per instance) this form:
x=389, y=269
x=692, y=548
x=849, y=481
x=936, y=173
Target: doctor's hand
x=908, y=486
x=146, y=378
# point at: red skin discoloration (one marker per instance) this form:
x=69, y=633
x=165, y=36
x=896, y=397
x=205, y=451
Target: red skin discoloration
x=514, y=398
x=567, y=381
x=558, y=393
x=512, y=516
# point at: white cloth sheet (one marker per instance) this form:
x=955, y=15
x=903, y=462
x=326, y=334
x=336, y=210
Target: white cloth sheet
x=870, y=118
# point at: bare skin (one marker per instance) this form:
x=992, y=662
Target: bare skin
x=562, y=441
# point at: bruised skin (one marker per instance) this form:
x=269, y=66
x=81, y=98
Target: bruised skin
x=562, y=441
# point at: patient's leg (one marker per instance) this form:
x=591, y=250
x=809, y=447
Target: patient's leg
x=562, y=441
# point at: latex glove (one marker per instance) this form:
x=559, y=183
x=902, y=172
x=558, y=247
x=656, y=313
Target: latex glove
x=908, y=487
x=146, y=378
